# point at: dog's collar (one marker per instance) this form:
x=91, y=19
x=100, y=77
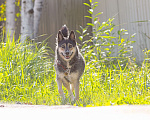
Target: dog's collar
x=67, y=70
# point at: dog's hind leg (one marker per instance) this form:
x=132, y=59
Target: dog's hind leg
x=67, y=86
x=77, y=90
x=72, y=87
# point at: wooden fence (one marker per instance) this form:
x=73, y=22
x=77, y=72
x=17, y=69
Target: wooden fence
x=71, y=12
x=55, y=14
x=59, y=12
x=126, y=13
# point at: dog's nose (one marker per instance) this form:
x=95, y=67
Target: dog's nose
x=67, y=52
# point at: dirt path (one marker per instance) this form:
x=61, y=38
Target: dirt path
x=36, y=112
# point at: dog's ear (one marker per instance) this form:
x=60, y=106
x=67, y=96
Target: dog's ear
x=72, y=35
x=60, y=36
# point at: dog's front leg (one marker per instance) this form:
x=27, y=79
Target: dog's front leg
x=67, y=85
x=59, y=83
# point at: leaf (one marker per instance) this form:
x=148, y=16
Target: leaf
x=107, y=37
x=81, y=38
x=106, y=49
x=95, y=6
x=90, y=1
x=84, y=30
x=94, y=3
x=87, y=4
x=95, y=22
x=90, y=24
x=81, y=27
x=90, y=11
x=133, y=35
x=18, y=14
x=88, y=17
x=98, y=14
x=78, y=31
x=122, y=40
x=96, y=19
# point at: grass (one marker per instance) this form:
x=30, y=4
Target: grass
x=108, y=86
x=28, y=76
x=25, y=73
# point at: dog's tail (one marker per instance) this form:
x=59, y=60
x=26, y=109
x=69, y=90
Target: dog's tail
x=65, y=31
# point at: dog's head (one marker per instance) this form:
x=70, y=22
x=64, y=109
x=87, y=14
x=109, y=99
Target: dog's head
x=66, y=43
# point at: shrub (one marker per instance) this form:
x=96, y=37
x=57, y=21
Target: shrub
x=107, y=46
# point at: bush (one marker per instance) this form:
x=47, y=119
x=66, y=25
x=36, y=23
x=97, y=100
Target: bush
x=107, y=46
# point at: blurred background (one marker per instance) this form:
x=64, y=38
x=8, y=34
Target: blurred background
x=132, y=15
x=55, y=13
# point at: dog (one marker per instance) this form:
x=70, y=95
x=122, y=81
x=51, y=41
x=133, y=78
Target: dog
x=69, y=63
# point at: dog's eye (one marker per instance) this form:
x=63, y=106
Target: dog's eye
x=63, y=46
x=70, y=46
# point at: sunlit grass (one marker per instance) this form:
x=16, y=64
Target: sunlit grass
x=28, y=76
x=108, y=86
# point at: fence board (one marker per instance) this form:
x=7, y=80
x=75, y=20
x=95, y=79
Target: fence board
x=133, y=27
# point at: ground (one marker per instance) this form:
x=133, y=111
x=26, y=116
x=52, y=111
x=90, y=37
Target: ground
x=126, y=112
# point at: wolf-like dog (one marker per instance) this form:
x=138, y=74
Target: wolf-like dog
x=69, y=63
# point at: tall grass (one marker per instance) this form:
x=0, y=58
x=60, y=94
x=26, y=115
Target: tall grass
x=27, y=75
x=107, y=86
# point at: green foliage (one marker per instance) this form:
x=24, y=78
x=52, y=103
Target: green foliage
x=2, y=12
x=105, y=45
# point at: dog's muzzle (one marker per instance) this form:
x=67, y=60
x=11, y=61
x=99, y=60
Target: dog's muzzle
x=67, y=56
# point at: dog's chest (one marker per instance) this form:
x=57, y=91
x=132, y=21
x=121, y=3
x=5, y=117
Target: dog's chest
x=68, y=74
x=68, y=66
x=70, y=77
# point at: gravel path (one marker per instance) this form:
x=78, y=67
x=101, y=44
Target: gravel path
x=37, y=112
